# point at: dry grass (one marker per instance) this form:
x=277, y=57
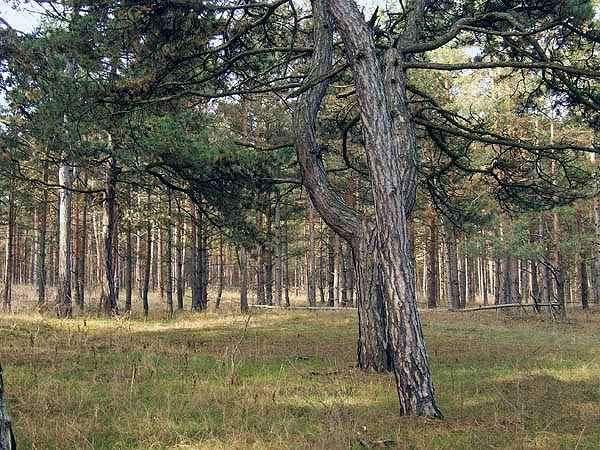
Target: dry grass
x=288, y=381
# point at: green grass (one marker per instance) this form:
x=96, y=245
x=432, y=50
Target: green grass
x=289, y=381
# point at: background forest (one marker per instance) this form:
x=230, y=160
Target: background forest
x=259, y=201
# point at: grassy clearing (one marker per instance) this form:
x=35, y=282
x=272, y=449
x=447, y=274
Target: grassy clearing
x=288, y=381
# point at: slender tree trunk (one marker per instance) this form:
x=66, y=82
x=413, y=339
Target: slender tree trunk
x=9, y=252
x=559, y=276
x=453, y=282
x=145, y=286
x=432, y=260
x=286, y=266
x=582, y=266
x=221, y=273
x=80, y=254
x=268, y=254
x=311, y=275
x=63, y=303
x=278, y=255
x=260, y=261
x=169, y=256
x=128, y=267
x=109, y=238
x=200, y=262
x=484, y=280
x=180, y=258
x=350, y=277
x=596, y=251
x=243, y=266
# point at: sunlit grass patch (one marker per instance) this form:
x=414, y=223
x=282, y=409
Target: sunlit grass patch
x=288, y=380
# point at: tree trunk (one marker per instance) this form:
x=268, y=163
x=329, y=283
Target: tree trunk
x=432, y=275
x=169, y=255
x=311, y=269
x=41, y=246
x=81, y=253
x=596, y=251
x=582, y=266
x=180, y=260
x=199, y=262
x=7, y=438
x=128, y=266
x=268, y=254
x=63, y=303
x=286, y=265
x=109, y=239
x=221, y=273
x=278, y=255
x=453, y=282
x=559, y=275
x=373, y=351
x=145, y=287
x=390, y=142
x=260, y=261
x=9, y=253
x=344, y=221
x=243, y=266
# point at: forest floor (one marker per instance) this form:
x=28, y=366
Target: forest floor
x=287, y=380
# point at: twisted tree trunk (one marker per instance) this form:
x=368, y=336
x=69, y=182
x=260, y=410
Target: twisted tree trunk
x=372, y=347
x=390, y=143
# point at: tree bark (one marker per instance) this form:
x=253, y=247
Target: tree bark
x=390, y=142
x=268, y=253
x=145, y=287
x=596, y=251
x=453, y=282
x=9, y=252
x=582, y=266
x=128, y=265
x=432, y=274
x=242, y=259
x=199, y=261
x=109, y=239
x=180, y=260
x=169, y=255
x=286, y=265
x=342, y=219
x=81, y=253
x=63, y=303
x=311, y=266
x=278, y=255
x=41, y=231
x=7, y=438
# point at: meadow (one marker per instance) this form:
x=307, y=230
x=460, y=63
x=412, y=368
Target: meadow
x=287, y=379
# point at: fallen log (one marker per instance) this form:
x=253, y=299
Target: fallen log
x=312, y=308
x=507, y=305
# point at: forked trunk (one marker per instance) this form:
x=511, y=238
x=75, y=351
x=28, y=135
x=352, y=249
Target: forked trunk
x=390, y=143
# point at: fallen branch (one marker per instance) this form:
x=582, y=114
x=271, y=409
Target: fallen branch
x=317, y=308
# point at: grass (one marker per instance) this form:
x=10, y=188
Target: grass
x=287, y=380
